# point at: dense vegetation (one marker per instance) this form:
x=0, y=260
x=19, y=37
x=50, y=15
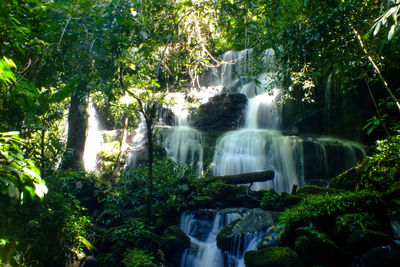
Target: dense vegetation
x=54, y=55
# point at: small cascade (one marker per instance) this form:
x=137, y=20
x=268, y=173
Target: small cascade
x=93, y=138
x=202, y=227
x=240, y=245
x=252, y=150
x=137, y=144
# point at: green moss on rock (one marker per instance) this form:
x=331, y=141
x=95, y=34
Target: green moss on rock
x=174, y=241
x=348, y=223
x=272, y=257
x=362, y=240
x=318, y=249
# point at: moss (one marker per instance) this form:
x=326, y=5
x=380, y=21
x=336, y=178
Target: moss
x=321, y=210
x=378, y=172
x=318, y=249
x=348, y=223
x=270, y=200
x=272, y=257
x=274, y=202
x=174, y=241
x=347, y=180
x=308, y=190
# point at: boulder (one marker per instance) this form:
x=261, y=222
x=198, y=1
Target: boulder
x=271, y=238
x=174, y=241
x=274, y=202
x=388, y=256
x=362, y=240
x=222, y=113
x=349, y=223
x=272, y=257
x=256, y=221
x=318, y=249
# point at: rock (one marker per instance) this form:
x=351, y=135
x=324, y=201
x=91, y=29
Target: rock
x=349, y=223
x=271, y=238
x=318, y=249
x=388, y=256
x=222, y=113
x=272, y=257
x=174, y=241
x=362, y=240
x=272, y=201
x=257, y=220
x=308, y=190
x=347, y=180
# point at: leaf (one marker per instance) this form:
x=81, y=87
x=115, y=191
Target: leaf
x=392, y=32
x=377, y=27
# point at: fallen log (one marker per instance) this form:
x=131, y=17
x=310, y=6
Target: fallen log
x=244, y=178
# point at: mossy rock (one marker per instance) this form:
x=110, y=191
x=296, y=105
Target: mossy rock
x=272, y=257
x=286, y=200
x=319, y=249
x=308, y=190
x=174, y=241
x=274, y=202
x=347, y=180
x=388, y=256
x=349, y=223
x=270, y=200
x=362, y=240
x=272, y=236
x=256, y=220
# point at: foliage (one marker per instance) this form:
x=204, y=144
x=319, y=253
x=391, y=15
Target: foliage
x=118, y=240
x=316, y=206
x=175, y=185
x=378, y=172
x=18, y=176
x=392, y=12
x=138, y=258
x=45, y=232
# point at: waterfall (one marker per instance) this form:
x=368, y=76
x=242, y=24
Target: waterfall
x=93, y=139
x=203, y=229
x=259, y=146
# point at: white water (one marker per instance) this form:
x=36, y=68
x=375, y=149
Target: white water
x=205, y=252
x=93, y=139
x=259, y=146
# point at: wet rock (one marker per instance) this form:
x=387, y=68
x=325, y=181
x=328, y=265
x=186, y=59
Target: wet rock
x=255, y=222
x=222, y=113
x=174, y=241
x=272, y=257
x=388, y=256
x=271, y=238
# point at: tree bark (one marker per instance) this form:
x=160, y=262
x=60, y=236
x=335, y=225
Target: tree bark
x=77, y=125
x=244, y=178
x=150, y=146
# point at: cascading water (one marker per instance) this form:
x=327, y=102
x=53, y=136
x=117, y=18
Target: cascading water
x=93, y=139
x=259, y=146
x=203, y=227
x=182, y=142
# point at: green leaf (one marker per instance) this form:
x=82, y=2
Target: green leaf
x=392, y=32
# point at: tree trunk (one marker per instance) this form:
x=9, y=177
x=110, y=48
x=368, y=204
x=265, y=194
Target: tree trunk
x=77, y=125
x=150, y=146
